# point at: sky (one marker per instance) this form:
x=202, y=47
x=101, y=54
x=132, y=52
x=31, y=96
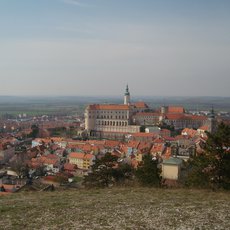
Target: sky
x=96, y=47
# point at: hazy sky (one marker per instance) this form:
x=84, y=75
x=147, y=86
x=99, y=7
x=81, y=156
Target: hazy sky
x=96, y=47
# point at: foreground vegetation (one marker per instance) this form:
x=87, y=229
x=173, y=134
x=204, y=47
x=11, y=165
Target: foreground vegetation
x=116, y=208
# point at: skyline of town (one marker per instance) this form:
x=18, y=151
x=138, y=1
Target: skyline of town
x=114, y=114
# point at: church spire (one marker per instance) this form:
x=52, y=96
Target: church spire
x=212, y=114
x=127, y=96
x=127, y=90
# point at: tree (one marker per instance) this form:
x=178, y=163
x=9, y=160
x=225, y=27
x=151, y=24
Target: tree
x=35, y=131
x=212, y=168
x=102, y=172
x=148, y=172
x=107, y=171
x=123, y=173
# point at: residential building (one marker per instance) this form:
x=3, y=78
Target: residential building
x=82, y=160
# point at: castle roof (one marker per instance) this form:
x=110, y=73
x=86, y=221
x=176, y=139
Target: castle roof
x=109, y=107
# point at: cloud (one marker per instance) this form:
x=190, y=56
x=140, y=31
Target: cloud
x=76, y=3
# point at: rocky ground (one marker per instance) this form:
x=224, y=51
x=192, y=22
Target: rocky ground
x=116, y=208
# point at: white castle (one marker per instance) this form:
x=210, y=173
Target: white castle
x=113, y=120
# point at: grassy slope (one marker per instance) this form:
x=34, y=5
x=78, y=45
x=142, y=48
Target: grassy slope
x=117, y=208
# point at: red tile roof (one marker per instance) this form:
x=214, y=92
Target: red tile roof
x=109, y=107
x=111, y=143
x=69, y=167
x=81, y=155
x=133, y=144
x=159, y=147
x=143, y=134
x=175, y=109
x=178, y=116
x=141, y=105
x=189, y=132
x=204, y=128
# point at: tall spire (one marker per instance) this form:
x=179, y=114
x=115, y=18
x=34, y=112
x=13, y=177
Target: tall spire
x=127, y=90
x=212, y=114
x=127, y=96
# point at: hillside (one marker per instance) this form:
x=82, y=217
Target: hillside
x=116, y=208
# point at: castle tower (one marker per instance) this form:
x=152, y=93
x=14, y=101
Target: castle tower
x=127, y=96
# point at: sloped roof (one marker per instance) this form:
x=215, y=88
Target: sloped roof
x=175, y=109
x=80, y=155
x=109, y=107
x=141, y=105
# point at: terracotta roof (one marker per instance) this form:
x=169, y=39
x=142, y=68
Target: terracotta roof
x=167, y=153
x=143, y=134
x=158, y=140
x=141, y=105
x=169, y=138
x=198, y=117
x=109, y=107
x=69, y=167
x=179, y=116
x=144, y=146
x=189, y=132
x=97, y=142
x=204, y=128
x=175, y=116
x=133, y=144
x=175, y=109
x=81, y=155
x=159, y=147
x=48, y=160
x=9, y=187
x=111, y=143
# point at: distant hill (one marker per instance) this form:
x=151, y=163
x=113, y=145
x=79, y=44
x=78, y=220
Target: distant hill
x=13, y=104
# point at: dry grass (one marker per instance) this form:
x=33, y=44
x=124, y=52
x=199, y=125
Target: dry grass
x=116, y=208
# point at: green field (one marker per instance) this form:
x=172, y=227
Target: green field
x=34, y=106
x=116, y=208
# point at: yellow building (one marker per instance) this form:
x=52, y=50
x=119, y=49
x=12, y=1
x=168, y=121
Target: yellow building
x=82, y=160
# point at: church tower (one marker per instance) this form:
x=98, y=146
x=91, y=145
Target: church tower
x=127, y=96
x=212, y=123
